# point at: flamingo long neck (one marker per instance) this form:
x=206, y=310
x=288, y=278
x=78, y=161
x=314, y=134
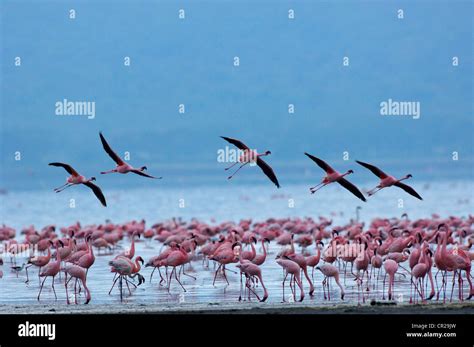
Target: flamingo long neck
x=264, y=249
x=254, y=252
x=132, y=247
x=137, y=265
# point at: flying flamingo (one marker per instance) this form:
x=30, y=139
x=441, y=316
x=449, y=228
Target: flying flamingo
x=122, y=167
x=388, y=181
x=334, y=176
x=76, y=178
x=251, y=156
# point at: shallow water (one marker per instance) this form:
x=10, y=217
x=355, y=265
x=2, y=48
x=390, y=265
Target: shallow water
x=208, y=203
x=15, y=291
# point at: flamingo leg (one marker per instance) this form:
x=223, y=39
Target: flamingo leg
x=241, y=166
x=60, y=190
x=107, y=172
x=41, y=288
x=227, y=168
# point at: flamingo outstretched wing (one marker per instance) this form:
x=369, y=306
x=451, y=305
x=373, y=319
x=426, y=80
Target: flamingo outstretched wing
x=352, y=188
x=66, y=167
x=236, y=143
x=321, y=163
x=267, y=170
x=109, y=150
x=97, y=191
x=375, y=170
x=138, y=172
x=408, y=189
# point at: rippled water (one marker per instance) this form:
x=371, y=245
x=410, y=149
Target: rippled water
x=208, y=203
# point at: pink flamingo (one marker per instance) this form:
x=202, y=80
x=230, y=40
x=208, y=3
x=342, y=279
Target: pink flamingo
x=176, y=258
x=130, y=253
x=329, y=271
x=259, y=259
x=252, y=270
x=125, y=267
x=76, y=178
x=79, y=274
x=334, y=176
x=313, y=260
x=88, y=259
x=250, y=255
x=391, y=267
x=249, y=157
x=293, y=269
x=226, y=256
x=38, y=261
x=122, y=167
x=388, y=181
x=51, y=270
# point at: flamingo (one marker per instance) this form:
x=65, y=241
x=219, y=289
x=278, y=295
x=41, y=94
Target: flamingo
x=329, y=271
x=388, y=181
x=79, y=273
x=334, y=176
x=251, y=156
x=251, y=271
x=51, y=270
x=125, y=267
x=391, y=267
x=259, y=259
x=291, y=268
x=76, y=178
x=226, y=256
x=38, y=261
x=122, y=167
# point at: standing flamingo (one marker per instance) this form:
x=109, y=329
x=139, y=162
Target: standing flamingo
x=334, y=176
x=122, y=167
x=251, y=156
x=391, y=267
x=293, y=269
x=76, y=178
x=79, y=273
x=329, y=271
x=388, y=181
x=51, y=270
x=259, y=259
x=251, y=271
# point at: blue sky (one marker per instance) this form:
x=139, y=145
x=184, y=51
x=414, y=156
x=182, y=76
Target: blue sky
x=190, y=61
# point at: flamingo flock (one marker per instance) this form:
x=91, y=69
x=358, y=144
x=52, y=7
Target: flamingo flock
x=246, y=157
x=318, y=261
